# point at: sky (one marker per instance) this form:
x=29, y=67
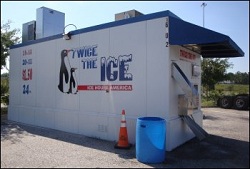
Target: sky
x=227, y=17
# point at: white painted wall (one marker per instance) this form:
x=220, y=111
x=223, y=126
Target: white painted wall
x=97, y=113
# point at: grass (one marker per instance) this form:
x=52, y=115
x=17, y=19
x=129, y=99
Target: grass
x=208, y=103
x=232, y=89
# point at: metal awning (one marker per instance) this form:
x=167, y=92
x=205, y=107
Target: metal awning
x=208, y=43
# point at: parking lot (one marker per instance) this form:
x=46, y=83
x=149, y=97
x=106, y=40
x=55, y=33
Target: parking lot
x=227, y=146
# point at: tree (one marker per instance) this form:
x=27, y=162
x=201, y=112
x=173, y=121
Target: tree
x=241, y=78
x=230, y=76
x=8, y=38
x=213, y=71
x=4, y=85
x=238, y=77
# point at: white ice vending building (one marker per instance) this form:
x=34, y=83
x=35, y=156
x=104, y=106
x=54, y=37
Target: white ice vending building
x=148, y=65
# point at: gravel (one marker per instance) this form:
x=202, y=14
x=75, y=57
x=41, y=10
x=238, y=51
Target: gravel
x=227, y=146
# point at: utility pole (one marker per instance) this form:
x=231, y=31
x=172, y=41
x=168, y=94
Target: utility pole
x=204, y=5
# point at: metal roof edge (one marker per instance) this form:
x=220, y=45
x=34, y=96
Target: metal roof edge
x=236, y=47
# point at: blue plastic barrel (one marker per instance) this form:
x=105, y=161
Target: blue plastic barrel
x=150, y=139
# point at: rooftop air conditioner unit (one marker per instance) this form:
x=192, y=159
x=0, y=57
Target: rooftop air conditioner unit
x=29, y=31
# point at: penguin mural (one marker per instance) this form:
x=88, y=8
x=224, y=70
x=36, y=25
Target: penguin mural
x=72, y=82
x=64, y=74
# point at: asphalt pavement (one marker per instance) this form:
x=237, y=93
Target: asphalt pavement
x=26, y=146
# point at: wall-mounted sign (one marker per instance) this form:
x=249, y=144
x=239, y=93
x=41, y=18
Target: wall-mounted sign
x=112, y=68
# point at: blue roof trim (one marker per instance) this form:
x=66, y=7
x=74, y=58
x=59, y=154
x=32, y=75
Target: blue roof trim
x=103, y=26
x=36, y=41
x=212, y=44
x=208, y=43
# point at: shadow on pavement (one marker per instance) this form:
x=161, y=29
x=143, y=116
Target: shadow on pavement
x=213, y=152
x=14, y=132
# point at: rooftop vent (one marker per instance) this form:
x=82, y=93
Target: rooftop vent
x=127, y=14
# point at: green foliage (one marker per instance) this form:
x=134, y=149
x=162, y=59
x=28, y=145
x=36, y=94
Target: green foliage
x=241, y=78
x=8, y=38
x=5, y=75
x=238, y=77
x=4, y=110
x=4, y=85
x=209, y=98
x=207, y=103
x=230, y=76
x=232, y=89
x=213, y=71
x=5, y=89
x=213, y=95
x=5, y=99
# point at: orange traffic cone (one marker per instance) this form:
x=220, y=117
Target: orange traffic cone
x=123, y=135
